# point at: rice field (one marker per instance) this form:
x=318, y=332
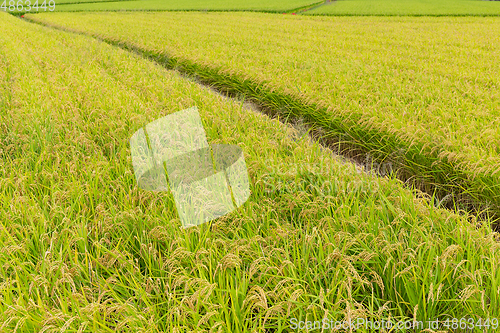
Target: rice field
x=61, y=2
x=422, y=93
x=85, y=250
x=148, y=5
x=309, y=7
x=409, y=8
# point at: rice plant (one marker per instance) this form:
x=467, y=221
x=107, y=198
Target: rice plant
x=183, y=5
x=420, y=92
x=85, y=250
x=408, y=7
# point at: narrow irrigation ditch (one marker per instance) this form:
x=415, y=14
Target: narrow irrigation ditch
x=418, y=167
x=302, y=10
x=308, y=7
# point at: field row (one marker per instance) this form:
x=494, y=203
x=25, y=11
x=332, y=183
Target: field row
x=308, y=7
x=409, y=7
x=119, y=5
x=421, y=92
x=84, y=249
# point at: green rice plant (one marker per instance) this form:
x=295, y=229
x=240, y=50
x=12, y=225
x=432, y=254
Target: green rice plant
x=408, y=8
x=65, y=2
x=219, y=5
x=85, y=250
x=420, y=92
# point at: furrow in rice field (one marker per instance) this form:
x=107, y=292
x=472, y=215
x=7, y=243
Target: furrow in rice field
x=84, y=249
x=422, y=93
